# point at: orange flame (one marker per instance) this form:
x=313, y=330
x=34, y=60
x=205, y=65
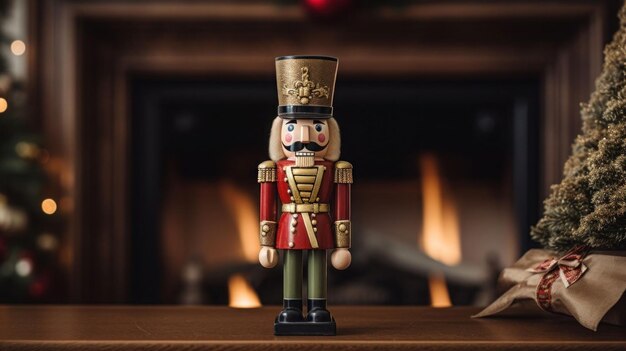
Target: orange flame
x=244, y=212
x=441, y=237
x=241, y=294
x=439, y=296
x=440, y=233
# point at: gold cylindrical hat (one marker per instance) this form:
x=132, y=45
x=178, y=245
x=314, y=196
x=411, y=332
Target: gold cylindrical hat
x=305, y=86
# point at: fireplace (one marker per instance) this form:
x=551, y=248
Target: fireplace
x=445, y=171
x=476, y=104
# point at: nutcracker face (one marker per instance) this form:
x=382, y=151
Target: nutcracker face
x=305, y=135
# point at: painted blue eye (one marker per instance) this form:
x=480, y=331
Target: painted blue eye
x=290, y=127
x=318, y=127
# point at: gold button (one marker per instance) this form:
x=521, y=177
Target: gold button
x=295, y=216
x=342, y=227
x=294, y=223
x=313, y=215
x=264, y=234
x=314, y=222
x=293, y=229
x=288, y=191
x=315, y=230
x=291, y=198
x=285, y=180
x=291, y=244
x=317, y=199
x=266, y=228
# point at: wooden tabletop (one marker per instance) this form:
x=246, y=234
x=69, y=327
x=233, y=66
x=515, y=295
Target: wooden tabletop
x=358, y=328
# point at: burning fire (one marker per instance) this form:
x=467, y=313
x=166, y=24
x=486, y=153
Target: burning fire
x=241, y=294
x=244, y=213
x=439, y=296
x=243, y=210
x=440, y=238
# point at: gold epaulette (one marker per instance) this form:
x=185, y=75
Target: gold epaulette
x=343, y=172
x=267, y=172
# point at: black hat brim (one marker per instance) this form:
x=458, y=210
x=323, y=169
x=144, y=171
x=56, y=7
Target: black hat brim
x=304, y=112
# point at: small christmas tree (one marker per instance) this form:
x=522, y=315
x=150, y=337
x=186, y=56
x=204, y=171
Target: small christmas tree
x=588, y=207
x=28, y=239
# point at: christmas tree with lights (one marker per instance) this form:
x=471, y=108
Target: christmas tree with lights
x=28, y=242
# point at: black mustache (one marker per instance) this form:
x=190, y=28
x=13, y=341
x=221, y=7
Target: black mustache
x=299, y=146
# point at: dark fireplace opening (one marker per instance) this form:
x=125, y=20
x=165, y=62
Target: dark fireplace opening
x=445, y=187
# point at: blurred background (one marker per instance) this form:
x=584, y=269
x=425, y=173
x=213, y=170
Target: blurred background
x=130, y=132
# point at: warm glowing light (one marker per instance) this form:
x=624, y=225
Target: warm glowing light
x=241, y=294
x=23, y=267
x=244, y=213
x=27, y=150
x=441, y=238
x=4, y=105
x=18, y=48
x=47, y=242
x=439, y=296
x=48, y=206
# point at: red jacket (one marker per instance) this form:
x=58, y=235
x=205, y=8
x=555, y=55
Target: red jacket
x=314, y=202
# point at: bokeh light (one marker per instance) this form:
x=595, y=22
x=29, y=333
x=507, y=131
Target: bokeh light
x=18, y=48
x=23, y=267
x=49, y=206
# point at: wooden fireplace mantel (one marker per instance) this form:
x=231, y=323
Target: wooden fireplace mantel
x=220, y=328
x=85, y=56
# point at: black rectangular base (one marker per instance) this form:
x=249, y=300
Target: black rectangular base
x=306, y=328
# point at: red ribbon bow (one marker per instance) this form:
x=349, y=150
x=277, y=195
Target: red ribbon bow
x=569, y=268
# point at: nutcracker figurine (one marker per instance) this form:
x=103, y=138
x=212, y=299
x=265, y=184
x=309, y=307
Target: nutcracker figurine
x=313, y=188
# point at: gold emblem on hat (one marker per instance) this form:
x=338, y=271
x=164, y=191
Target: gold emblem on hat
x=305, y=89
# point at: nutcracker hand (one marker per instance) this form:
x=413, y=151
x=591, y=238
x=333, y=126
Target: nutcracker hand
x=268, y=257
x=341, y=259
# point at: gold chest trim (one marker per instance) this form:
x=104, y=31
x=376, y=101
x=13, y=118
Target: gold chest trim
x=304, y=185
x=305, y=182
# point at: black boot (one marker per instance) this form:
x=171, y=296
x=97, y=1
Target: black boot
x=318, y=322
x=317, y=311
x=292, y=312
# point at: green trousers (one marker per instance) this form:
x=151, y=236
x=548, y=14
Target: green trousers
x=292, y=275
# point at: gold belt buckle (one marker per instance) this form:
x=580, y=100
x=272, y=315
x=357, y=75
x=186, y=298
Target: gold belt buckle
x=305, y=208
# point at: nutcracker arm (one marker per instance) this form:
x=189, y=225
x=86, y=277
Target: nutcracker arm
x=343, y=184
x=267, y=225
